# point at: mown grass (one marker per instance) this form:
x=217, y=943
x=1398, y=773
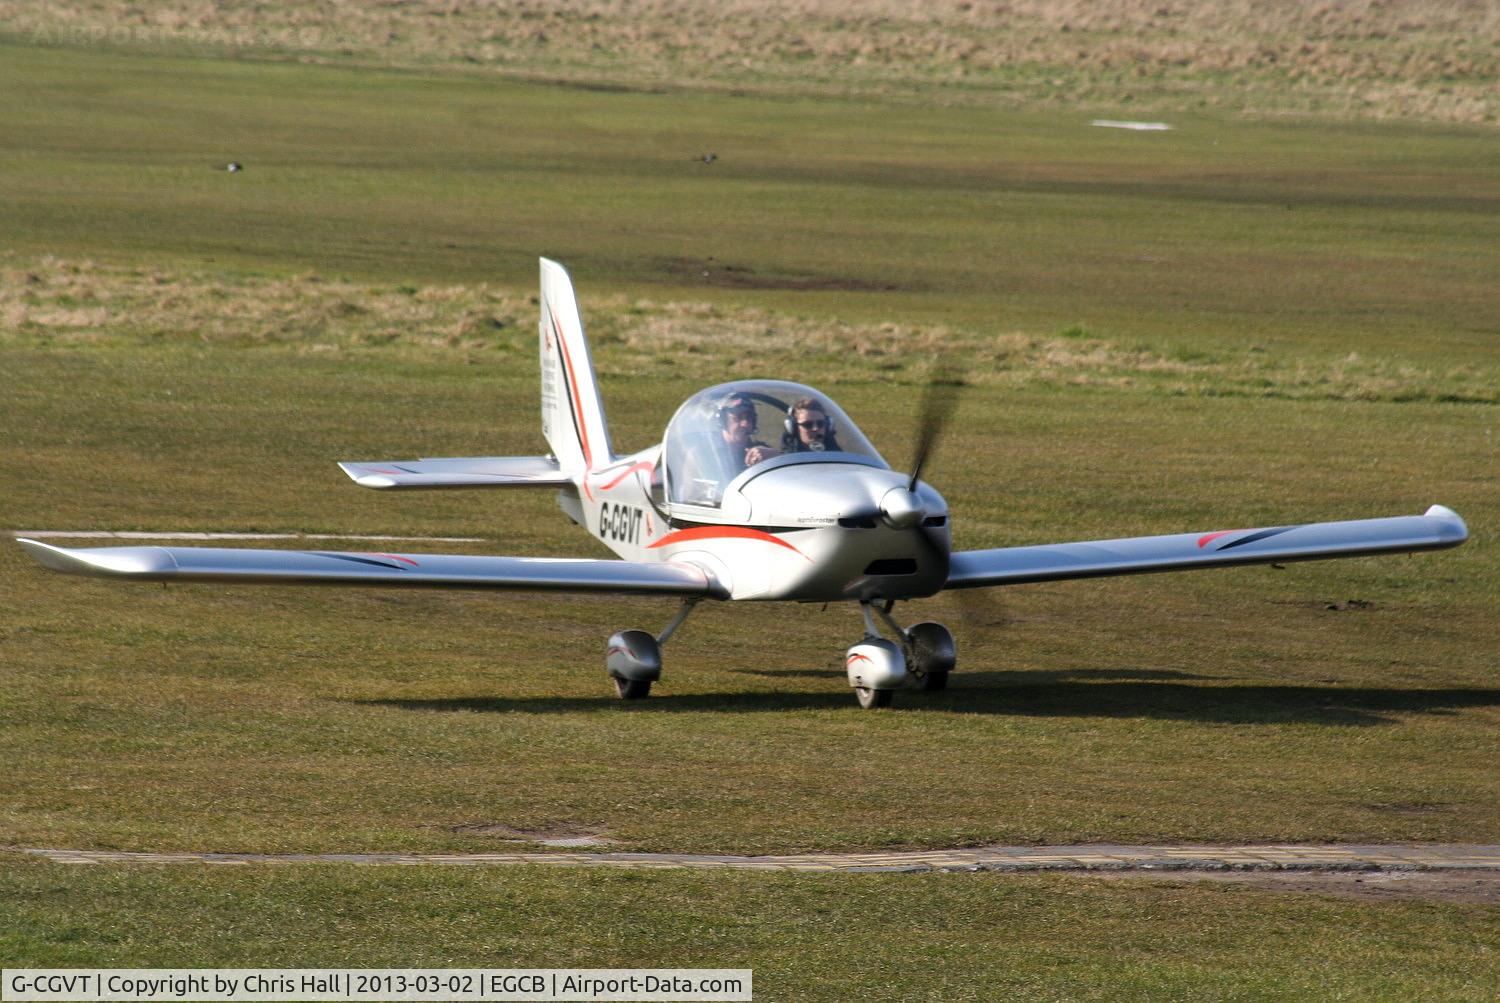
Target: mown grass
x=1152, y=342
x=806, y=936
x=1221, y=706
x=1403, y=59
x=1222, y=236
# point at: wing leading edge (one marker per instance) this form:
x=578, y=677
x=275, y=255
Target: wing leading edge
x=1436, y=529
x=316, y=567
x=459, y=472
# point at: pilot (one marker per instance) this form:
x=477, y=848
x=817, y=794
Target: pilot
x=737, y=426
x=809, y=429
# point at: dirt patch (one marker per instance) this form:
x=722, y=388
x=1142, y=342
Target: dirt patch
x=1482, y=887
x=723, y=275
x=1331, y=605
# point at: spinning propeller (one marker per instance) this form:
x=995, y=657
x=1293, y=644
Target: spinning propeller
x=901, y=508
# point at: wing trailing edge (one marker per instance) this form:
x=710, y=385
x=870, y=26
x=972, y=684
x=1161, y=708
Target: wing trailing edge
x=1437, y=529
x=442, y=571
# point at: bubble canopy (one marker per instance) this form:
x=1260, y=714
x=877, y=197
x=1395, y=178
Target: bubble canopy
x=721, y=432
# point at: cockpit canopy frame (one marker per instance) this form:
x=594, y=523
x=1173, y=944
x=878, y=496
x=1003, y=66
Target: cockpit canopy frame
x=700, y=462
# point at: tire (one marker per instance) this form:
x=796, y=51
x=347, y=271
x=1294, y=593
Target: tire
x=934, y=681
x=632, y=689
x=870, y=699
x=930, y=656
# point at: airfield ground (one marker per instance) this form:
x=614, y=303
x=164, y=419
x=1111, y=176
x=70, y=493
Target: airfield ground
x=1257, y=317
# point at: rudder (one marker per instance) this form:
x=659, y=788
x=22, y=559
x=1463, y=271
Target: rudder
x=572, y=411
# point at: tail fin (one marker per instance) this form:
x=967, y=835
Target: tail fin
x=572, y=412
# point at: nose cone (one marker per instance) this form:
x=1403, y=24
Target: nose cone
x=901, y=509
x=867, y=537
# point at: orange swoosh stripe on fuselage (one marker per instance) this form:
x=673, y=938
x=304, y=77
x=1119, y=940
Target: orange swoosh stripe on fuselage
x=725, y=532
x=642, y=465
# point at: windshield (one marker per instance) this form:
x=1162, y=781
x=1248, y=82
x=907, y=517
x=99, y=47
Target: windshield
x=720, y=432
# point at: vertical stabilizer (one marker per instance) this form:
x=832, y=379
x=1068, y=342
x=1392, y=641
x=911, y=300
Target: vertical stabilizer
x=572, y=413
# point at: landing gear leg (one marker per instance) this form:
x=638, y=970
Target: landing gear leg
x=633, y=657
x=929, y=649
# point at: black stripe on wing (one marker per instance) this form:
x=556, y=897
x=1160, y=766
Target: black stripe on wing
x=358, y=560
x=1264, y=534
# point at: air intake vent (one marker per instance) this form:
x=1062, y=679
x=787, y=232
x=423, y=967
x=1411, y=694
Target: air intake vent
x=935, y=520
x=859, y=522
x=892, y=566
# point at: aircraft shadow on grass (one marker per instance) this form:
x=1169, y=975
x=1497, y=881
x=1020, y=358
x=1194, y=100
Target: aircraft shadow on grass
x=1101, y=693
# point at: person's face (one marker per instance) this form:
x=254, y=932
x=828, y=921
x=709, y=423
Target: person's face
x=812, y=426
x=739, y=425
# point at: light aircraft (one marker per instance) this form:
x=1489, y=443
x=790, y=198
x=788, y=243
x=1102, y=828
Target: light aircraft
x=810, y=513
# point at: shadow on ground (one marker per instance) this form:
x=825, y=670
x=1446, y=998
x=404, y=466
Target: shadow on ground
x=1108, y=693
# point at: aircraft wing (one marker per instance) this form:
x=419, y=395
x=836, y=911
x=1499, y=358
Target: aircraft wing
x=459, y=472
x=1438, y=528
x=318, y=567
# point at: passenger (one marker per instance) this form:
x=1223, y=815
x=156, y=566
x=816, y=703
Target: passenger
x=809, y=429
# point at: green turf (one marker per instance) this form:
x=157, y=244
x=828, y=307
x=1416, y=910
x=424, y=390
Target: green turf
x=810, y=936
x=1290, y=320
x=1225, y=705
x=1227, y=233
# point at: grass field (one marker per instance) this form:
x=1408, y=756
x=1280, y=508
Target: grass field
x=1237, y=323
x=975, y=938
x=1372, y=59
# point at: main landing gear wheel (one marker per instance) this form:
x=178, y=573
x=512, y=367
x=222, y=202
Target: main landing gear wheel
x=632, y=689
x=870, y=699
x=932, y=681
x=930, y=655
x=633, y=657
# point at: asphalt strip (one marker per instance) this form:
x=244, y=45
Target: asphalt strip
x=1176, y=858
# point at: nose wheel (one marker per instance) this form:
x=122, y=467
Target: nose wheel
x=632, y=689
x=922, y=659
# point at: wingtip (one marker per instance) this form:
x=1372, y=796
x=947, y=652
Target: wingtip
x=102, y=562
x=359, y=475
x=45, y=554
x=1455, y=529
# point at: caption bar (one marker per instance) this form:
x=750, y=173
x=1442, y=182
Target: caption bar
x=268, y=985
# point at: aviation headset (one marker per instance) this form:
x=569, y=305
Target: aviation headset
x=790, y=424
x=735, y=402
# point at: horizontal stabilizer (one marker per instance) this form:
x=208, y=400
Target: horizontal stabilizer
x=459, y=472
x=311, y=567
x=1438, y=528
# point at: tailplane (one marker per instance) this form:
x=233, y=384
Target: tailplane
x=572, y=412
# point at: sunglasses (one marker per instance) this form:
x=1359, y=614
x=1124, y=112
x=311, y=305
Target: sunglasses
x=819, y=423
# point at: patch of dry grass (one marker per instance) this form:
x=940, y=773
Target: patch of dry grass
x=56, y=301
x=52, y=301
x=1365, y=58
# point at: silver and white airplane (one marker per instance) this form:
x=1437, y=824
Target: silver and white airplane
x=809, y=513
